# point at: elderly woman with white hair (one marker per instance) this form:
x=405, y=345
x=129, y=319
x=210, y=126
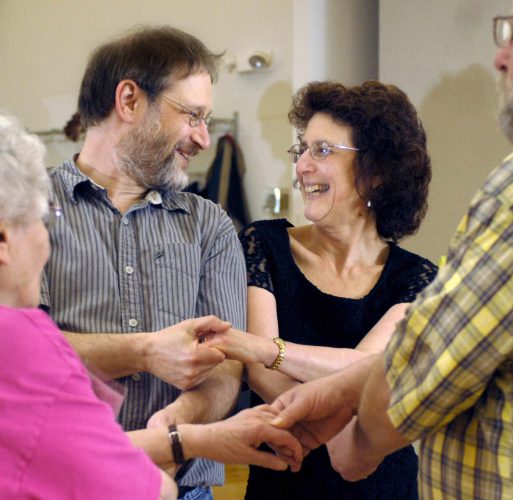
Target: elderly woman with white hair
x=57, y=438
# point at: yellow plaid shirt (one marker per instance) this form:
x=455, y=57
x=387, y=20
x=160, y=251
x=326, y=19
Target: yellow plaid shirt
x=450, y=362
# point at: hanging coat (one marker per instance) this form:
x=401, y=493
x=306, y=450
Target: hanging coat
x=224, y=180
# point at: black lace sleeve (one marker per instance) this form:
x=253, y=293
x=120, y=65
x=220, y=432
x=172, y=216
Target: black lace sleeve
x=257, y=265
x=419, y=277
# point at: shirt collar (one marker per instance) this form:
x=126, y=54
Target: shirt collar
x=174, y=200
x=72, y=178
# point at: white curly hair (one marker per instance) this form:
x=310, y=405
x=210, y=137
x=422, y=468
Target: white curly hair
x=24, y=182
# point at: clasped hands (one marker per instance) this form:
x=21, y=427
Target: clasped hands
x=315, y=413
x=237, y=440
x=184, y=354
x=176, y=354
x=319, y=413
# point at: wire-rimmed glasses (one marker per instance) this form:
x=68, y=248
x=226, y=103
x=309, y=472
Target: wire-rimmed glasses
x=195, y=117
x=319, y=150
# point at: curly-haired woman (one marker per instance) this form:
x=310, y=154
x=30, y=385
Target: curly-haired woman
x=324, y=295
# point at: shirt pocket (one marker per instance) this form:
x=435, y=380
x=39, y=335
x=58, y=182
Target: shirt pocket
x=177, y=268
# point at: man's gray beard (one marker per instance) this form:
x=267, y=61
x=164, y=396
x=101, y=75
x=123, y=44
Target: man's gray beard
x=506, y=119
x=171, y=178
x=140, y=158
x=505, y=107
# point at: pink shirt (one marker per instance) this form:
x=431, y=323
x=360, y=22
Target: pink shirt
x=57, y=439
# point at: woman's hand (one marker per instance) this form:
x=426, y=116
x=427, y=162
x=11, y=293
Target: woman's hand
x=242, y=346
x=237, y=439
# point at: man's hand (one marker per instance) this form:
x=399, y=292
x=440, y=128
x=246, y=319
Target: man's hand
x=318, y=410
x=237, y=439
x=314, y=412
x=176, y=355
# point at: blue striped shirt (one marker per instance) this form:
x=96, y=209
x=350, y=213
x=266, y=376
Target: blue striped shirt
x=171, y=257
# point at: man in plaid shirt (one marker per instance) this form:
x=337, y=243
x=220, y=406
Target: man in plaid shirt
x=446, y=377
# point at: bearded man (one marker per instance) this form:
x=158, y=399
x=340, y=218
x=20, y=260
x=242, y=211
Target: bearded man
x=133, y=256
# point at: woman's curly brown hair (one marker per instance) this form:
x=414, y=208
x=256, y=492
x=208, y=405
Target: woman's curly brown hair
x=392, y=166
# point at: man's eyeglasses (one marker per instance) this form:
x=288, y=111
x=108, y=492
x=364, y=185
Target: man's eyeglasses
x=195, y=117
x=52, y=215
x=319, y=150
x=503, y=31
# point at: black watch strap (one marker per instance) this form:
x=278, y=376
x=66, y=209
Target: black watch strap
x=175, y=442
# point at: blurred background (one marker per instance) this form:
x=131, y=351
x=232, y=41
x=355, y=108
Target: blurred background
x=440, y=53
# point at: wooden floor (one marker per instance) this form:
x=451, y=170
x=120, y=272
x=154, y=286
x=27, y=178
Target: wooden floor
x=235, y=483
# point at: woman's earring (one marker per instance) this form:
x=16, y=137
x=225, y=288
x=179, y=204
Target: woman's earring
x=369, y=204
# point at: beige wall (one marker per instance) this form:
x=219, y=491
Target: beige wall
x=441, y=53
x=44, y=45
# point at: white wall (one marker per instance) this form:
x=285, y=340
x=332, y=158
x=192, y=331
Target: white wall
x=441, y=54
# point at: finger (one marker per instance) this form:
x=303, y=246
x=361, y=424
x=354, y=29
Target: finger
x=270, y=460
x=278, y=405
x=290, y=412
x=209, y=356
x=294, y=406
x=304, y=450
x=283, y=439
x=206, y=337
x=284, y=453
x=210, y=324
x=266, y=409
x=212, y=339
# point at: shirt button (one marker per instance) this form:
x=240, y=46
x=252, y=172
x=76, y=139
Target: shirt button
x=132, y=322
x=136, y=377
x=129, y=269
x=125, y=221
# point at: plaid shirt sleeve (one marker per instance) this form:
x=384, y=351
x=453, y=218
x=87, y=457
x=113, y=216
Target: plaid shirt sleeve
x=458, y=333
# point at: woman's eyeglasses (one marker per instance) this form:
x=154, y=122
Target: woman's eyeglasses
x=319, y=150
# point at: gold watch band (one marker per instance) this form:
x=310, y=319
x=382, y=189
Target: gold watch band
x=281, y=353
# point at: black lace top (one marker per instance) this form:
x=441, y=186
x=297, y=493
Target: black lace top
x=306, y=315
